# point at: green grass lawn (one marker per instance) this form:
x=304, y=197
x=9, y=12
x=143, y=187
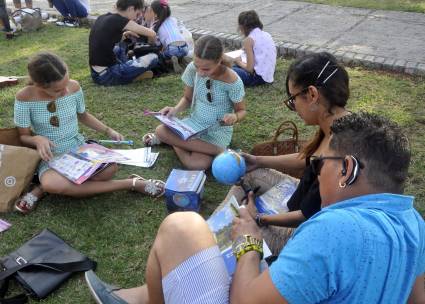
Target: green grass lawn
x=117, y=229
x=417, y=6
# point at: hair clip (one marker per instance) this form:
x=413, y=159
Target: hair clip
x=163, y=2
x=323, y=69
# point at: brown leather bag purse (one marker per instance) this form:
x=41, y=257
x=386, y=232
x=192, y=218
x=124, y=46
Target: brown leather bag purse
x=279, y=146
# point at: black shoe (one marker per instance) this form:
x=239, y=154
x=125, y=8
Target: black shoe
x=102, y=293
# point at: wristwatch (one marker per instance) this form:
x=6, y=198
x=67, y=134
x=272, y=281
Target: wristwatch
x=246, y=243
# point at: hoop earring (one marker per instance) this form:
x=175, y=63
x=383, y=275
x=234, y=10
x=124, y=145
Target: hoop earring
x=342, y=185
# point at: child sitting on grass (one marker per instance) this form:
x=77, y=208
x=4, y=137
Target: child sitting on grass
x=259, y=65
x=168, y=34
x=47, y=113
x=214, y=93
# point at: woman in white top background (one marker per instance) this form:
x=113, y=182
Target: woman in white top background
x=258, y=66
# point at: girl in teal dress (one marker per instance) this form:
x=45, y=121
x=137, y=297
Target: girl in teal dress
x=47, y=113
x=214, y=93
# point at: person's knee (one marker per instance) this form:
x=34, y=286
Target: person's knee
x=161, y=132
x=182, y=225
x=50, y=185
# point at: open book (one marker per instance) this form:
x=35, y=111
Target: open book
x=235, y=54
x=181, y=128
x=274, y=200
x=220, y=224
x=142, y=157
x=80, y=164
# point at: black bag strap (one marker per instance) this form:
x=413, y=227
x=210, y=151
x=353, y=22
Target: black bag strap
x=19, y=299
x=84, y=265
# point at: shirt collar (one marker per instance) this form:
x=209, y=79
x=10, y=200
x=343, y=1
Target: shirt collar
x=382, y=201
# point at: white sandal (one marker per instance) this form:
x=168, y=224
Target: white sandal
x=153, y=187
x=26, y=203
x=150, y=139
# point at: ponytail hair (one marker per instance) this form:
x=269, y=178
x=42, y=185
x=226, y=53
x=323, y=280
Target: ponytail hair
x=162, y=10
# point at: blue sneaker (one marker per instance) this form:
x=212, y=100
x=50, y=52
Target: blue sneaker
x=102, y=293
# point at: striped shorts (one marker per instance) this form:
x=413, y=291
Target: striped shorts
x=201, y=279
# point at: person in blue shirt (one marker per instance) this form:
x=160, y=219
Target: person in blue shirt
x=366, y=245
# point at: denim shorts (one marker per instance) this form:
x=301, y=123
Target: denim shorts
x=175, y=50
x=201, y=279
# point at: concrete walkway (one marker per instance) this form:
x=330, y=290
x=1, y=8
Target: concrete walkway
x=379, y=39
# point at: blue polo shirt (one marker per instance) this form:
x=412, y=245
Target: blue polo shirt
x=368, y=249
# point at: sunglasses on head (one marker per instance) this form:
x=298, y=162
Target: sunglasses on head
x=208, y=85
x=51, y=107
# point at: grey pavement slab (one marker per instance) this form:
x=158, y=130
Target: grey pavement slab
x=373, y=38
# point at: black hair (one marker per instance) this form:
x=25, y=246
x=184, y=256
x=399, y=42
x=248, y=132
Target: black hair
x=379, y=144
x=330, y=78
x=122, y=5
x=162, y=10
x=45, y=68
x=209, y=47
x=248, y=21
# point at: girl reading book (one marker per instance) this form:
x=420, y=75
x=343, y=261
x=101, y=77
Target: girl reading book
x=258, y=66
x=47, y=112
x=214, y=93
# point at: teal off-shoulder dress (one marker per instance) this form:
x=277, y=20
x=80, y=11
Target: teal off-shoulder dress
x=204, y=113
x=35, y=115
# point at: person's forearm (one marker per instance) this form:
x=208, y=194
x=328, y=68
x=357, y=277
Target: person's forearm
x=288, y=219
x=281, y=162
x=28, y=141
x=240, y=115
x=182, y=105
x=92, y=122
x=248, y=268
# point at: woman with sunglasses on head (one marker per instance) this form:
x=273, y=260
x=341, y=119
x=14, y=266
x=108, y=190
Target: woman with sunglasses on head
x=47, y=113
x=214, y=93
x=318, y=90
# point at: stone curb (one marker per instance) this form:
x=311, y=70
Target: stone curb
x=295, y=50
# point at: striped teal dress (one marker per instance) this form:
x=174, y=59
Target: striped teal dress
x=34, y=115
x=205, y=113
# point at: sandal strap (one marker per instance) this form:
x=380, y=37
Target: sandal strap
x=30, y=199
x=153, y=139
x=155, y=187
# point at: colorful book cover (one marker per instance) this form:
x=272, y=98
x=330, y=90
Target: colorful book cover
x=182, y=129
x=274, y=200
x=4, y=225
x=220, y=224
x=82, y=163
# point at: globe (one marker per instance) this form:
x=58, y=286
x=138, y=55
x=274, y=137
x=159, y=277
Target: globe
x=228, y=167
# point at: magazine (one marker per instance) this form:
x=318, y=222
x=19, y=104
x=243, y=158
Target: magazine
x=180, y=127
x=274, y=200
x=220, y=224
x=80, y=164
x=4, y=225
x=238, y=53
x=142, y=157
